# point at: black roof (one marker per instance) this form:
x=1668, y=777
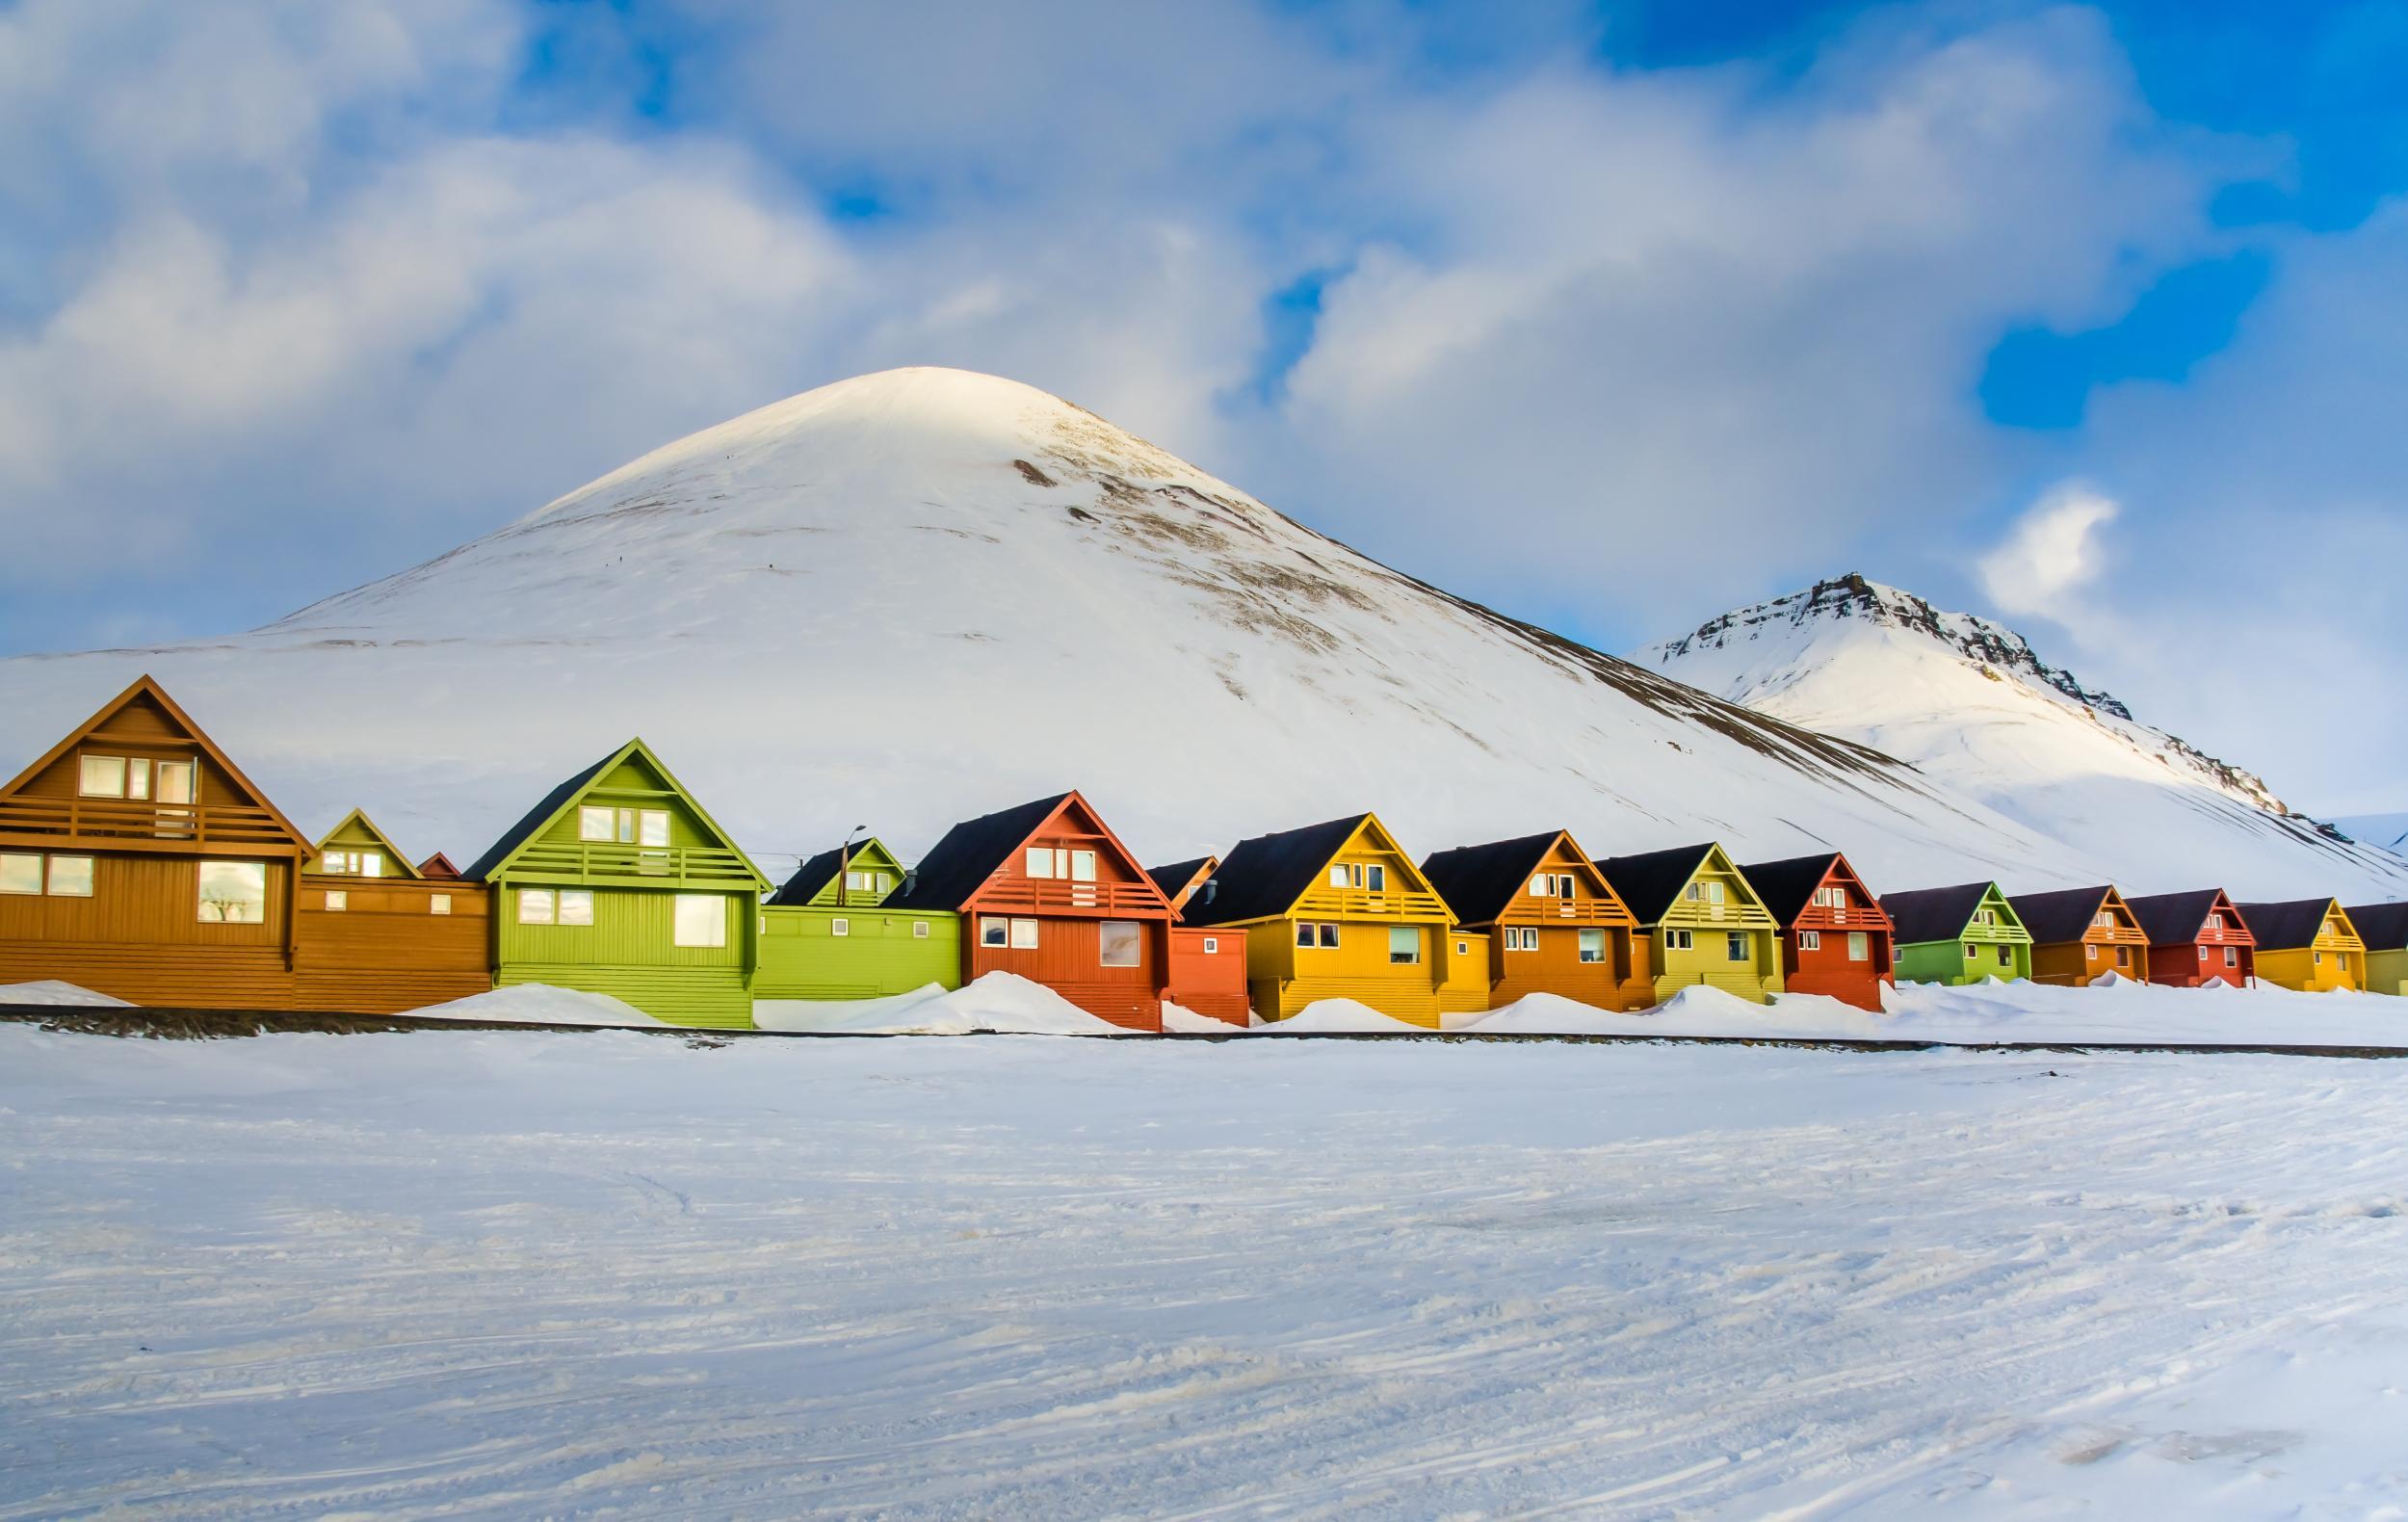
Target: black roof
x=970, y=853
x=1649, y=882
x=536, y=818
x=2288, y=926
x=1787, y=886
x=808, y=879
x=1174, y=879
x=1934, y=914
x=1261, y=878
x=2174, y=919
x=2383, y=927
x=2063, y=915
x=1479, y=882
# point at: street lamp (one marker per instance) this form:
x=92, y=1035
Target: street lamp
x=844, y=859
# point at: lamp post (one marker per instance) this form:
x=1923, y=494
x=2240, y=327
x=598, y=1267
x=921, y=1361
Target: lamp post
x=844, y=859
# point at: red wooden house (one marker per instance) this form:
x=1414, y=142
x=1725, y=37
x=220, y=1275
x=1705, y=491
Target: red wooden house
x=137, y=859
x=1207, y=966
x=1836, y=938
x=2197, y=938
x=1047, y=892
x=438, y=868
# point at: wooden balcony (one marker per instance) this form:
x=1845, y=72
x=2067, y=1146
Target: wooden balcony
x=582, y=861
x=1018, y=895
x=142, y=824
x=1361, y=904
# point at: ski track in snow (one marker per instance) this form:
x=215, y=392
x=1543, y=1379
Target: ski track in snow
x=504, y=1273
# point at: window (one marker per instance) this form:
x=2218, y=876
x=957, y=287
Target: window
x=2203, y=953
x=138, y=777
x=919, y=930
x=102, y=777
x=1404, y=945
x=337, y=900
x=835, y=926
x=1211, y=945
x=2232, y=957
x=439, y=904
x=20, y=874
x=1714, y=892
x=536, y=906
x=2123, y=956
x=2007, y=957
x=1592, y=945
x=233, y=892
x=1329, y=937
x=1304, y=933
x=702, y=920
x=1118, y=943
x=2319, y=958
x=1809, y=940
x=1859, y=946
x=1061, y=861
x=576, y=906
x=994, y=932
x=1024, y=935
x=1734, y=947
x=2104, y=919
x=71, y=877
x=354, y=864
x=652, y=828
x=1680, y=940
x=593, y=824
x=2215, y=921
x=1375, y=877
x=1521, y=937
x=857, y=883
x=1971, y=951
x=1338, y=877
x=2090, y=954
x=371, y=863
x=1552, y=885
x=176, y=781
x=1694, y=892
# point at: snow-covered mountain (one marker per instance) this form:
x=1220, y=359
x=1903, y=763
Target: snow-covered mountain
x=919, y=595
x=1974, y=706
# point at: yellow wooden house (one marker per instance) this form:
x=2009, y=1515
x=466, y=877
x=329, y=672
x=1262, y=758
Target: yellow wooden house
x=1337, y=911
x=1706, y=926
x=2308, y=944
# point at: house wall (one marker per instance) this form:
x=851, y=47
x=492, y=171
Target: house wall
x=2313, y=969
x=1209, y=981
x=1831, y=971
x=1754, y=974
x=1958, y=963
x=804, y=958
x=1068, y=959
x=1285, y=977
x=139, y=936
x=629, y=954
x=2080, y=964
x=2179, y=964
x=1619, y=982
x=2387, y=972
x=387, y=951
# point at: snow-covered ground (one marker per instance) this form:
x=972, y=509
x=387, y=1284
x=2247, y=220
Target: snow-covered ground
x=504, y=1273
x=51, y=991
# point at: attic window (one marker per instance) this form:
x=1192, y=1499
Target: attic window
x=102, y=777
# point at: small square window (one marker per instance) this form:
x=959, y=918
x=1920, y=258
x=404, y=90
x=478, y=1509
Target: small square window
x=919, y=930
x=595, y=824
x=337, y=900
x=1329, y=937
x=1404, y=945
x=1119, y=943
x=1304, y=933
x=576, y=906
x=20, y=874
x=702, y=920
x=439, y=904
x=1463, y=948
x=71, y=877
x=995, y=932
x=840, y=926
x=1024, y=935
x=538, y=906
x=1211, y=945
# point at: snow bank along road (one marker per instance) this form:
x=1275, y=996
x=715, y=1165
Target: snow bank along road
x=523, y=1273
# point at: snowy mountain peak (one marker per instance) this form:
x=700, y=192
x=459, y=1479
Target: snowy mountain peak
x=1855, y=597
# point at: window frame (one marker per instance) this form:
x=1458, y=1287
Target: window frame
x=528, y=898
x=40, y=873
x=1135, y=938
x=86, y=761
x=1413, y=960
x=1587, y=931
x=716, y=938
x=201, y=876
x=580, y=899
x=439, y=904
x=338, y=901
x=1810, y=940
x=50, y=888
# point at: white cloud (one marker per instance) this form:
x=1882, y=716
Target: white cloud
x=2050, y=564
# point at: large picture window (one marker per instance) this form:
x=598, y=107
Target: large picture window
x=702, y=920
x=1118, y=943
x=233, y=892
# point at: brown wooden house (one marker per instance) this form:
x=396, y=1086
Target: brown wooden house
x=1048, y=892
x=438, y=868
x=1207, y=966
x=2080, y=935
x=1553, y=922
x=137, y=860
x=378, y=935
x=1836, y=938
x=2197, y=938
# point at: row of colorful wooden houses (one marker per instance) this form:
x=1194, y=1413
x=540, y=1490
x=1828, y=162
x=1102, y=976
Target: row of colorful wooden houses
x=138, y=860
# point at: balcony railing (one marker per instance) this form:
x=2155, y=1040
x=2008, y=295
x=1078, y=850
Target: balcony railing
x=1338, y=903
x=588, y=860
x=1041, y=895
x=132, y=819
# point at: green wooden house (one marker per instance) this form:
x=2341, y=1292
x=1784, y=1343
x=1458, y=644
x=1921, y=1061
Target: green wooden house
x=356, y=848
x=824, y=935
x=621, y=883
x=1705, y=925
x=1959, y=935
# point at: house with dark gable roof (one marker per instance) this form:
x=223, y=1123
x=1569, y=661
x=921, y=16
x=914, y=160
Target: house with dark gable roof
x=2080, y=935
x=2383, y=928
x=1835, y=937
x=2197, y=938
x=1552, y=923
x=1707, y=927
x=1964, y=933
x=2307, y=944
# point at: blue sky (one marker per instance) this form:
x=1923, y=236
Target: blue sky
x=1612, y=315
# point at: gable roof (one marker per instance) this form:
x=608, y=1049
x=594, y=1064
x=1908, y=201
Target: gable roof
x=2383, y=927
x=970, y=853
x=1786, y=889
x=359, y=817
x=816, y=872
x=1480, y=883
x=2175, y=919
x=145, y=686
x=1651, y=881
x=553, y=805
x=2063, y=915
x=2288, y=926
x=1181, y=879
x=1934, y=915
x=1263, y=877
x=440, y=868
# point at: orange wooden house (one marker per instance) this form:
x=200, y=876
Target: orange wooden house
x=1207, y=966
x=137, y=860
x=2080, y=935
x=2197, y=938
x=1050, y=893
x=1554, y=924
x=380, y=937
x=1836, y=938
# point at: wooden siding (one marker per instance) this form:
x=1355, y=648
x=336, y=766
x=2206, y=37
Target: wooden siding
x=1980, y=952
x=1209, y=982
x=1621, y=982
x=804, y=958
x=2387, y=972
x=712, y=998
x=629, y=952
x=2337, y=960
x=2198, y=961
x=387, y=951
x=1068, y=957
